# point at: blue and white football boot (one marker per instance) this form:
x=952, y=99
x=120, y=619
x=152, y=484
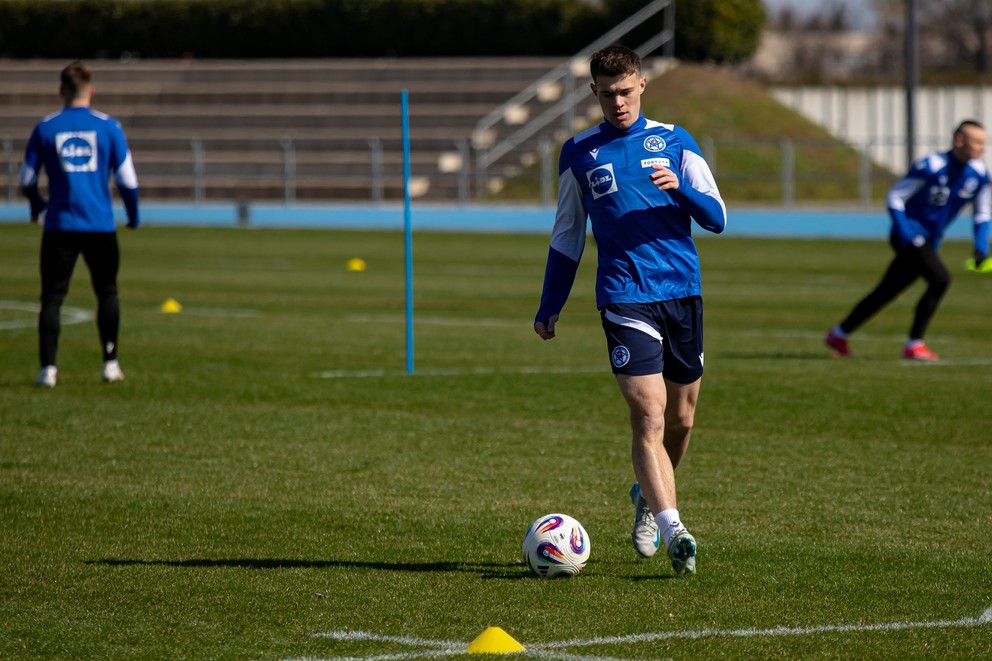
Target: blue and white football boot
x=646, y=536
x=682, y=553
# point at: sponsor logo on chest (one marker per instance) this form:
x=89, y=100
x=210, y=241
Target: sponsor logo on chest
x=601, y=180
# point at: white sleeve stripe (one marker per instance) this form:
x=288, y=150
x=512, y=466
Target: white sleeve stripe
x=569, y=234
x=634, y=324
x=125, y=176
x=983, y=205
x=900, y=193
x=698, y=175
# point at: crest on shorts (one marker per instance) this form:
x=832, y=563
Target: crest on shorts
x=620, y=356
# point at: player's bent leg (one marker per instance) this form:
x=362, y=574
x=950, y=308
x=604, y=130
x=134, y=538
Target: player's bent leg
x=59, y=252
x=679, y=418
x=680, y=414
x=938, y=281
x=654, y=491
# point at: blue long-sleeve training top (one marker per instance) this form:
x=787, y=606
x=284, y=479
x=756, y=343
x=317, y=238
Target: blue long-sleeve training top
x=80, y=150
x=925, y=201
x=644, y=238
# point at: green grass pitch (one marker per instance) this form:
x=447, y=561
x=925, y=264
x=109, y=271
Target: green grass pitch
x=269, y=483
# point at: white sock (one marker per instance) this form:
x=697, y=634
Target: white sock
x=669, y=523
x=911, y=342
x=838, y=332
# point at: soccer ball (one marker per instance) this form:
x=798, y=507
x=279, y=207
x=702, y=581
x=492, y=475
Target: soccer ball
x=556, y=545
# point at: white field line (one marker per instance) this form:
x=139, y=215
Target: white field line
x=474, y=371
x=433, y=320
x=220, y=312
x=552, y=650
x=70, y=315
x=775, y=631
x=948, y=362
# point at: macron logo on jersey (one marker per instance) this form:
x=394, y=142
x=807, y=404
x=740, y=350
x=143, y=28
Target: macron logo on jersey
x=602, y=181
x=77, y=150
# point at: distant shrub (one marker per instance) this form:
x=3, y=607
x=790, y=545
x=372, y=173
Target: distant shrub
x=349, y=28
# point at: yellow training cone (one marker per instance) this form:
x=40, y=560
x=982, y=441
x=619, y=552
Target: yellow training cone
x=356, y=264
x=171, y=306
x=495, y=641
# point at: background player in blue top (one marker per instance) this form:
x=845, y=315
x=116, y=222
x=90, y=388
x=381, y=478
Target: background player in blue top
x=641, y=184
x=922, y=205
x=79, y=149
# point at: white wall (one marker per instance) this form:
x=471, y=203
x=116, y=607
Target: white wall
x=874, y=118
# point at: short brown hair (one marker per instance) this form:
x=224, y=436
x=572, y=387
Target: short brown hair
x=75, y=78
x=968, y=123
x=614, y=61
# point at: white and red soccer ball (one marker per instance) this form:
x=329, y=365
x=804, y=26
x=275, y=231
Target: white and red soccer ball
x=556, y=545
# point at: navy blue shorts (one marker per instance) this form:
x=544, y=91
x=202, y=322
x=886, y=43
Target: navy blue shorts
x=656, y=338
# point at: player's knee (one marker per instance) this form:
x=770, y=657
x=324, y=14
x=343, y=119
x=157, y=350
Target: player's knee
x=680, y=422
x=52, y=298
x=648, y=422
x=940, y=283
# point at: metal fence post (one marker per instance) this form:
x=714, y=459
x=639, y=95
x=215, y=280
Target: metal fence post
x=864, y=174
x=288, y=170
x=464, y=154
x=199, y=170
x=8, y=154
x=709, y=152
x=375, y=157
x=788, y=172
x=547, y=184
x=481, y=173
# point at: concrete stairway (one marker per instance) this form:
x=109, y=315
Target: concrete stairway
x=293, y=130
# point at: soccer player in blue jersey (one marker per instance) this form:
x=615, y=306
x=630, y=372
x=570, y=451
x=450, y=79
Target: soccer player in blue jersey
x=80, y=149
x=922, y=205
x=641, y=183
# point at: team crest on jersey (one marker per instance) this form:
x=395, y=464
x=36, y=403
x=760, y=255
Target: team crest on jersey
x=77, y=150
x=654, y=143
x=602, y=181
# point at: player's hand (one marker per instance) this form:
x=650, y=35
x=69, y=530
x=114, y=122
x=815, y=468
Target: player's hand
x=546, y=331
x=663, y=178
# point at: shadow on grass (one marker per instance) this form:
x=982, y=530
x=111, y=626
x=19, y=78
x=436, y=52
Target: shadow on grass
x=484, y=569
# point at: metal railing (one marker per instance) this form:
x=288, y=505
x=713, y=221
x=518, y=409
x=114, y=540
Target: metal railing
x=562, y=83
x=782, y=172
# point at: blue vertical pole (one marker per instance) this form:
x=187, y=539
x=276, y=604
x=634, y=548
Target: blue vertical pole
x=407, y=232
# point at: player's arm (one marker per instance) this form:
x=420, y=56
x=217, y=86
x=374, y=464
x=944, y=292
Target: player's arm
x=693, y=187
x=125, y=177
x=28, y=177
x=899, y=195
x=567, y=244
